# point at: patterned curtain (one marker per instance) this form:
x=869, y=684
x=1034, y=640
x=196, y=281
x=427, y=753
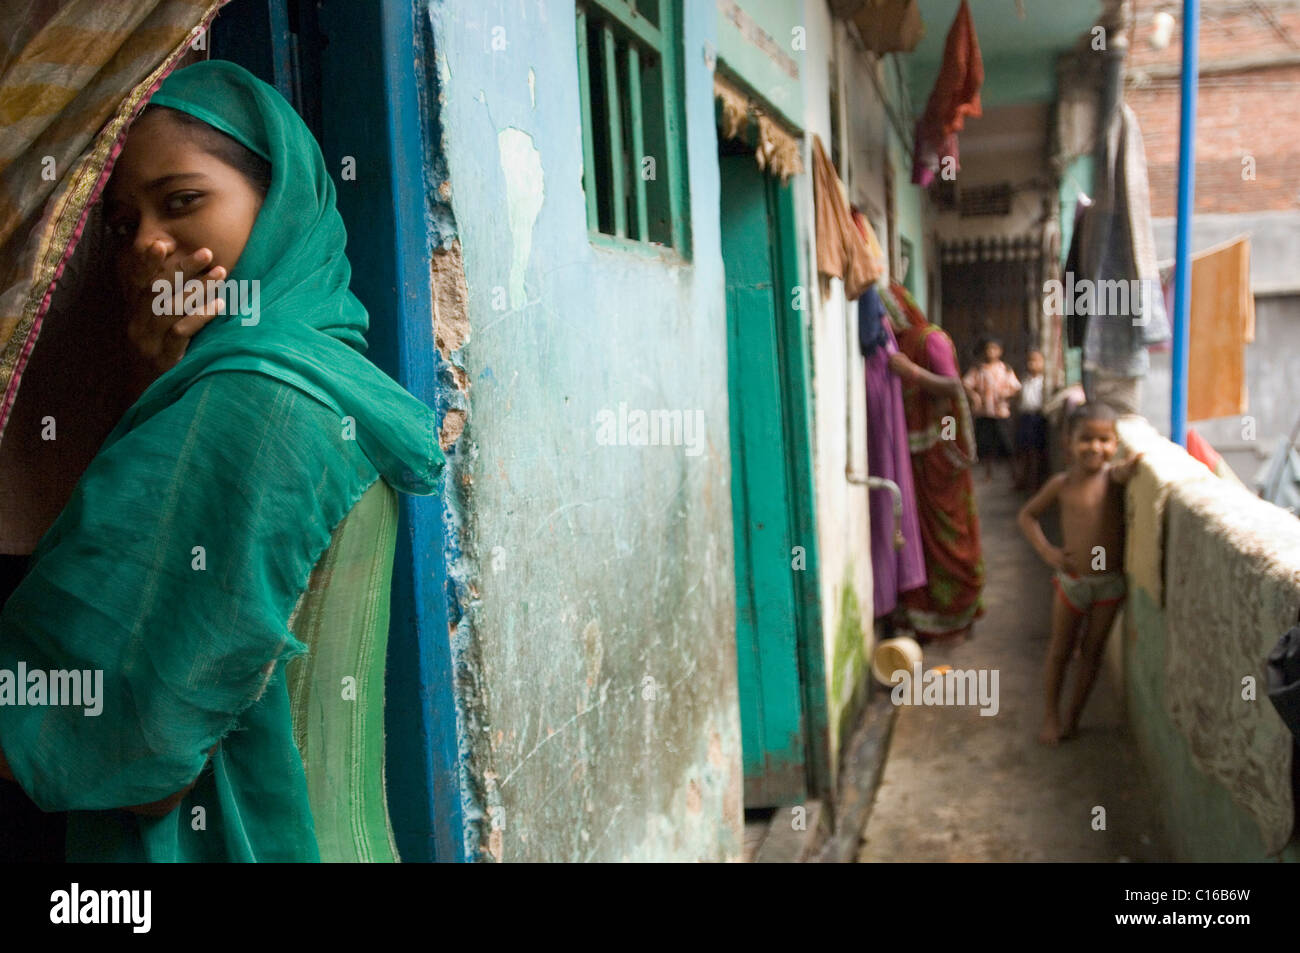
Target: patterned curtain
x=73, y=73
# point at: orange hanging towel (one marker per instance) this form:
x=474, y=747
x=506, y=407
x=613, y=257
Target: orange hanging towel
x=1222, y=323
x=842, y=248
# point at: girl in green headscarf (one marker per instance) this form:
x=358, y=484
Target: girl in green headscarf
x=177, y=563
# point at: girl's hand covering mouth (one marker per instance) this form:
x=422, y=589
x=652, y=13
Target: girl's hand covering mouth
x=159, y=324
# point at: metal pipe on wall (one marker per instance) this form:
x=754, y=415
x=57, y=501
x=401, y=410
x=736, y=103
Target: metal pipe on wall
x=1186, y=192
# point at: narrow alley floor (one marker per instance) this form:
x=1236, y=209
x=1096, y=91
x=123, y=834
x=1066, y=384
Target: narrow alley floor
x=958, y=786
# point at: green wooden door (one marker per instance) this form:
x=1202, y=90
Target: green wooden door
x=771, y=706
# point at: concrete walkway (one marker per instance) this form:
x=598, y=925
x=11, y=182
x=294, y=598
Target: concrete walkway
x=959, y=786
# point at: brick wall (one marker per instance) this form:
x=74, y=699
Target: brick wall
x=1247, y=114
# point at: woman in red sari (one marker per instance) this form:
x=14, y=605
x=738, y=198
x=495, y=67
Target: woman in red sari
x=941, y=439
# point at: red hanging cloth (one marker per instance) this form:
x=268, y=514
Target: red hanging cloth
x=955, y=96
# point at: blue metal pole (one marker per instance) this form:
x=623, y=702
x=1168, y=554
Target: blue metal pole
x=1186, y=192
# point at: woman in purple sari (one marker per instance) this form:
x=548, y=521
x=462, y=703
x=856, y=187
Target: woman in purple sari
x=894, y=570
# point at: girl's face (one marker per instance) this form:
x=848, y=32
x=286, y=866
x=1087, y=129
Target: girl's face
x=1035, y=362
x=164, y=188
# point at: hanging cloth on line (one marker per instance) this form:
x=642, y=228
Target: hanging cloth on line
x=955, y=96
x=843, y=250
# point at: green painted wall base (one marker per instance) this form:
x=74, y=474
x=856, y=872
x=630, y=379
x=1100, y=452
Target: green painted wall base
x=849, y=670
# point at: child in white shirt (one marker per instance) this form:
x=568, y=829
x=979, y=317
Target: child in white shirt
x=1031, y=428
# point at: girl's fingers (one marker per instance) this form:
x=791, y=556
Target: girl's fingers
x=156, y=265
x=191, y=265
x=161, y=332
x=191, y=324
x=184, y=303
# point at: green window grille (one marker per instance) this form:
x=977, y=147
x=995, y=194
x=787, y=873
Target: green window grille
x=632, y=129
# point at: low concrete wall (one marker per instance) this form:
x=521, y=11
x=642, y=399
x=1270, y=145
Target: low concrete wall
x=1258, y=546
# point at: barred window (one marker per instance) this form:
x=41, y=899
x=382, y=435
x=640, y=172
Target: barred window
x=633, y=169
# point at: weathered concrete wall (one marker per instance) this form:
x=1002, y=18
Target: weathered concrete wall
x=869, y=146
x=598, y=675
x=1007, y=144
x=911, y=205
x=759, y=40
x=1202, y=820
x=1274, y=244
x=913, y=224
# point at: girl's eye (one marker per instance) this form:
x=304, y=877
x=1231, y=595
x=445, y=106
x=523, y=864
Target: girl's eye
x=179, y=201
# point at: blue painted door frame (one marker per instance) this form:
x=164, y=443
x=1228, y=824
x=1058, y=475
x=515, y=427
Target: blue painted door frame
x=353, y=71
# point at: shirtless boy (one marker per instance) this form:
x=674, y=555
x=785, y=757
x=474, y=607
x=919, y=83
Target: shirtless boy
x=1089, y=576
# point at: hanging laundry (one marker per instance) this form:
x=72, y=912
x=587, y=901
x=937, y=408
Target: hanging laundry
x=872, y=332
x=842, y=250
x=1117, y=244
x=1076, y=325
x=873, y=243
x=1200, y=449
x=1222, y=322
x=1167, y=293
x=955, y=96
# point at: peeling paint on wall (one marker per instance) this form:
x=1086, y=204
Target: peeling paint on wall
x=450, y=333
x=522, y=165
x=593, y=639
x=450, y=301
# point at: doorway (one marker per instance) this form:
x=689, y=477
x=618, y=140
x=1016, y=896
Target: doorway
x=352, y=71
x=778, y=616
x=992, y=288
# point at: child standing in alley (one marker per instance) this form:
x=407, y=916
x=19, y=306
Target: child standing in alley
x=1089, y=568
x=1031, y=427
x=990, y=385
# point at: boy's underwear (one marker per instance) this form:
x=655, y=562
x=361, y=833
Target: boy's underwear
x=1083, y=592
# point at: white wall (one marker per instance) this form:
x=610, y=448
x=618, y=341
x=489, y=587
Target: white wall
x=1008, y=144
x=838, y=384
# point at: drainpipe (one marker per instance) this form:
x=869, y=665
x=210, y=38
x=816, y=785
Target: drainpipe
x=1186, y=191
x=880, y=483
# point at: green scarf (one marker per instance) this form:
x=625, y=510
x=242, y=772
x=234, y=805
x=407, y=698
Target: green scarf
x=177, y=563
x=311, y=329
